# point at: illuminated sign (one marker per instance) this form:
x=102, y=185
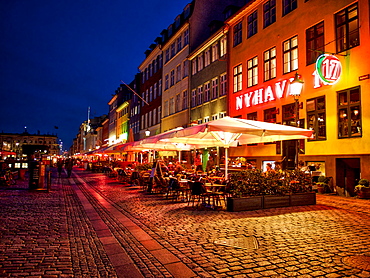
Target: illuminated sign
x=262, y=95
x=328, y=70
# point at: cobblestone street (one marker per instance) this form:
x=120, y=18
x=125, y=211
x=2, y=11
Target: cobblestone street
x=93, y=226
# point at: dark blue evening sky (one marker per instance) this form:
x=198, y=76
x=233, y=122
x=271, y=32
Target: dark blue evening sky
x=57, y=58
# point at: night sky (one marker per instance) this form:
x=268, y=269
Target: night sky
x=57, y=58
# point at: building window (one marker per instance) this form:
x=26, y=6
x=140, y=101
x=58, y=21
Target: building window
x=237, y=78
x=172, y=105
x=207, y=57
x=269, y=115
x=200, y=95
x=314, y=42
x=179, y=43
x=349, y=113
x=166, y=82
x=185, y=99
x=222, y=114
x=288, y=6
x=194, y=98
x=269, y=64
x=178, y=73
x=223, y=46
x=172, y=78
x=252, y=24
x=173, y=50
x=155, y=65
x=214, y=117
x=200, y=62
x=159, y=113
x=155, y=90
x=160, y=61
x=252, y=71
x=207, y=92
x=316, y=118
x=290, y=58
x=154, y=116
x=223, y=84
x=167, y=53
x=194, y=66
x=269, y=13
x=214, y=53
x=177, y=103
x=238, y=33
x=165, y=112
x=214, y=88
x=252, y=116
x=185, y=67
x=160, y=87
x=206, y=119
x=347, y=30
x=150, y=93
x=186, y=37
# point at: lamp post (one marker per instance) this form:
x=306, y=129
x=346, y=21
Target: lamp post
x=296, y=86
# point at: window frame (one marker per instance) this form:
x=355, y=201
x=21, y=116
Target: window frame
x=315, y=43
x=289, y=54
x=252, y=24
x=315, y=112
x=343, y=42
x=252, y=72
x=238, y=78
x=269, y=13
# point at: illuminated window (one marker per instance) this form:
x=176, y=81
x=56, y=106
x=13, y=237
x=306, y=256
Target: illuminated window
x=252, y=71
x=252, y=116
x=214, y=88
x=349, y=113
x=237, y=78
x=165, y=112
x=269, y=64
x=207, y=92
x=269, y=115
x=194, y=66
x=200, y=62
x=223, y=46
x=172, y=105
x=223, y=84
x=347, y=29
x=207, y=57
x=194, y=98
x=314, y=42
x=288, y=116
x=185, y=99
x=206, y=119
x=177, y=103
x=269, y=13
x=290, y=58
x=200, y=95
x=252, y=24
x=316, y=117
x=288, y=6
x=214, y=117
x=238, y=33
x=214, y=53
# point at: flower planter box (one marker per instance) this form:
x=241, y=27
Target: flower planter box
x=244, y=203
x=364, y=193
x=276, y=201
x=303, y=199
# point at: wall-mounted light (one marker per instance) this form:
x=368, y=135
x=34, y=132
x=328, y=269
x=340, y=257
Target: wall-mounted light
x=147, y=133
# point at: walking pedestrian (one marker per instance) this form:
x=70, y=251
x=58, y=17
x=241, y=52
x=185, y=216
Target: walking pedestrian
x=60, y=167
x=69, y=166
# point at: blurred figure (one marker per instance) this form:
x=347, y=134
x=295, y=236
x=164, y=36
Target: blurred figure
x=60, y=167
x=69, y=166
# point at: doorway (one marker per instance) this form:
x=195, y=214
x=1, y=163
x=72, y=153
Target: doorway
x=289, y=153
x=348, y=174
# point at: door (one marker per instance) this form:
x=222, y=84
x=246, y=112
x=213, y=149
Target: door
x=348, y=174
x=289, y=154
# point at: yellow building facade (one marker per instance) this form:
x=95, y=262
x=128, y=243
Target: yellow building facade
x=328, y=45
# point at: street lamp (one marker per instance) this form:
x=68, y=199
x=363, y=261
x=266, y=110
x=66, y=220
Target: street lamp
x=296, y=86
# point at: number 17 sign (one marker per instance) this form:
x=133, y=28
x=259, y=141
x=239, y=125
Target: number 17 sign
x=328, y=70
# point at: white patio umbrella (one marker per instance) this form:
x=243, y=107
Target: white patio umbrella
x=228, y=132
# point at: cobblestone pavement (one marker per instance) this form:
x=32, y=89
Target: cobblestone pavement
x=94, y=226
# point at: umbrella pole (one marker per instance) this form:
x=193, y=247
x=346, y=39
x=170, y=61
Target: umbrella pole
x=226, y=162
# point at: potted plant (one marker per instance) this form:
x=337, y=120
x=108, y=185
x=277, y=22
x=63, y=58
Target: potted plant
x=363, y=189
x=322, y=183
